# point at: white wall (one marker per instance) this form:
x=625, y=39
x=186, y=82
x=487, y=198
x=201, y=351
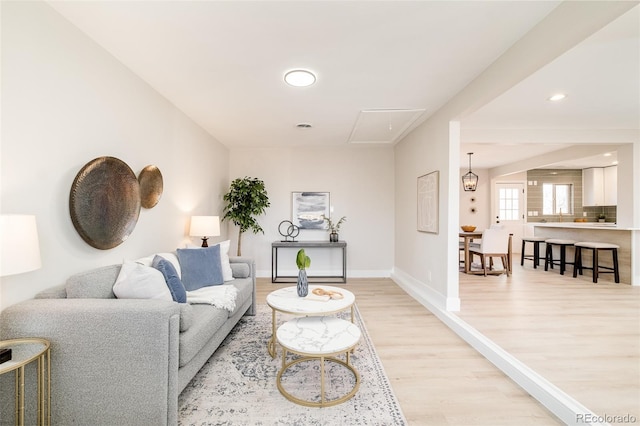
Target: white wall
x=422, y=259
x=360, y=182
x=65, y=101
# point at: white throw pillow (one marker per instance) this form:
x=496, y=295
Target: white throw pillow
x=227, y=273
x=137, y=281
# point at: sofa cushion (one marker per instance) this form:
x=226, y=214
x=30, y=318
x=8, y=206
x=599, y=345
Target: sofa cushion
x=137, y=281
x=227, y=272
x=171, y=277
x=245, y=292
x=206, y=322
x=200, y=267
x=171, y=257
x=240, y=270
x=186, y=316
x=94, y=284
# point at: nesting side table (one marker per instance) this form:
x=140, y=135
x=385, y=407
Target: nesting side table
x=318, y=338
x=24, y=352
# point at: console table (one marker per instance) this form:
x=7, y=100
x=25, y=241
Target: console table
x=275, y=278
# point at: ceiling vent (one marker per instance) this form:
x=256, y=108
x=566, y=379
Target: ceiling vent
x=383, y=126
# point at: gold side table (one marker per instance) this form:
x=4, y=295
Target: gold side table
x=24, y=352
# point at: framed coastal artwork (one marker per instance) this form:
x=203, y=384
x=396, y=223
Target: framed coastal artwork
x=308, y=209
x=428, y=202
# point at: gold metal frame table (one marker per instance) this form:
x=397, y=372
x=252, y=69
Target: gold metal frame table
x=287, y=301
x=318, y=338
x=25, y=351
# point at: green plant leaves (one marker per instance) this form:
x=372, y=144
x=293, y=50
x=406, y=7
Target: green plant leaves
x=302, y=260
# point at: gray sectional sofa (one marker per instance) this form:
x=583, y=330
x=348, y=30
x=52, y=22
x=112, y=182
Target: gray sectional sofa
x=121, y=361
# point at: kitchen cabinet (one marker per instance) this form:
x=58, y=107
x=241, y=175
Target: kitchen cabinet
x=600, y=186
x=611, y=186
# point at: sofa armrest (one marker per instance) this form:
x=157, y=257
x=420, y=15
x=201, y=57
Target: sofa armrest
x=113, y=361
x=252, y=267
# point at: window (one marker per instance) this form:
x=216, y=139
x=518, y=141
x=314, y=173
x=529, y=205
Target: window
x=509, y=208
x=557, y=198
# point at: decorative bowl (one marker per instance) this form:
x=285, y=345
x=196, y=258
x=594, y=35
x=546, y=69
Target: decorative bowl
x=468, y=228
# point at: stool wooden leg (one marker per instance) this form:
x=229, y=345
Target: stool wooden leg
x=548, y=257
x=616, y=273
x=595, y=265
x=522, y=254
x=536, y=254
x=563, y=259
x=577, y=262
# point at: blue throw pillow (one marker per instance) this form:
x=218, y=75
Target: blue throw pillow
x=200, y=267
x=178, y=293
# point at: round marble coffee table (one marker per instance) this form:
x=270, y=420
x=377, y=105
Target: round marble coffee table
x=287, y=301
x=318, y=338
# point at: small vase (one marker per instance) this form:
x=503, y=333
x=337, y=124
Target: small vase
x=303, y=283
x=333, y=237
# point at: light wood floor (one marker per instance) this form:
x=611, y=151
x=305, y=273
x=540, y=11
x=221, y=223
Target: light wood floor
x=437, y=377
x=581, y=336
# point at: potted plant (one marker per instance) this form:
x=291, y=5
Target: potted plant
x=247, y=198
x=303, y=261
x=601, y=217
x=334, y=228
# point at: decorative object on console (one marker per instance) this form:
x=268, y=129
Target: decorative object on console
x=105, y=202
x=334, y=228
x=428, y=202
x=19, y=245
x=205, y=227
x=292, y=231
x=468, y=228
x=150, y=180
x=303, y=261
x=470, y=179
x=309, y=208
x=246, y=199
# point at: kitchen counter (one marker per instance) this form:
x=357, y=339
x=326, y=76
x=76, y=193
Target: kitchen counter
x=595, y=232
x=583, y=225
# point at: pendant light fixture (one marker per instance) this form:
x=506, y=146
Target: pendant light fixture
x=470, y=180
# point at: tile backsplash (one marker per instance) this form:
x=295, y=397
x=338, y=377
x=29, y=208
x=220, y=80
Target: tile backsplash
x=535, y=179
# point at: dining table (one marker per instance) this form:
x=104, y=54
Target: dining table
x=468, y=239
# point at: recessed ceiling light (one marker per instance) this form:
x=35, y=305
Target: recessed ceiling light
x=607, y=154
x=557, y=97
x=300, y=78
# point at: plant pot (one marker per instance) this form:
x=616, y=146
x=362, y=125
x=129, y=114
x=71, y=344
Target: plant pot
x=303, y=283
x=601, y=220
x=333, y=237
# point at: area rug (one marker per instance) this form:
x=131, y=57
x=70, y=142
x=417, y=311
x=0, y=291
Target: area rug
x=237, y=386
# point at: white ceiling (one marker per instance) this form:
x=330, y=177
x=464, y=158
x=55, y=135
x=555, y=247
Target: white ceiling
x=222, y=63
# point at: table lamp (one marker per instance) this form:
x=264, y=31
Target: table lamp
x=205, y=227
x=19, y=246
x=19, y=251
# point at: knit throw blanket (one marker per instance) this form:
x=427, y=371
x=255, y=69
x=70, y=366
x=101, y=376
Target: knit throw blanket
x=220, y=296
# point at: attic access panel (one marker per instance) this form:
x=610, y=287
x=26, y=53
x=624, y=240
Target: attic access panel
x=383, y=126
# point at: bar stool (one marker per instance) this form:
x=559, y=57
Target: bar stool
x=536, y=250
x=595, y=249
x=548, y=258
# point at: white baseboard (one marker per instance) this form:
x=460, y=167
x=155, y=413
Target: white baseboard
x=562, y=405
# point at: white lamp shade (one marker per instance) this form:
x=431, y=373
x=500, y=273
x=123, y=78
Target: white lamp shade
x=20, y=249
x=204, y=226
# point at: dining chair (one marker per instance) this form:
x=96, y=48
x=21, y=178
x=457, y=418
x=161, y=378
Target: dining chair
x=494, y=243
